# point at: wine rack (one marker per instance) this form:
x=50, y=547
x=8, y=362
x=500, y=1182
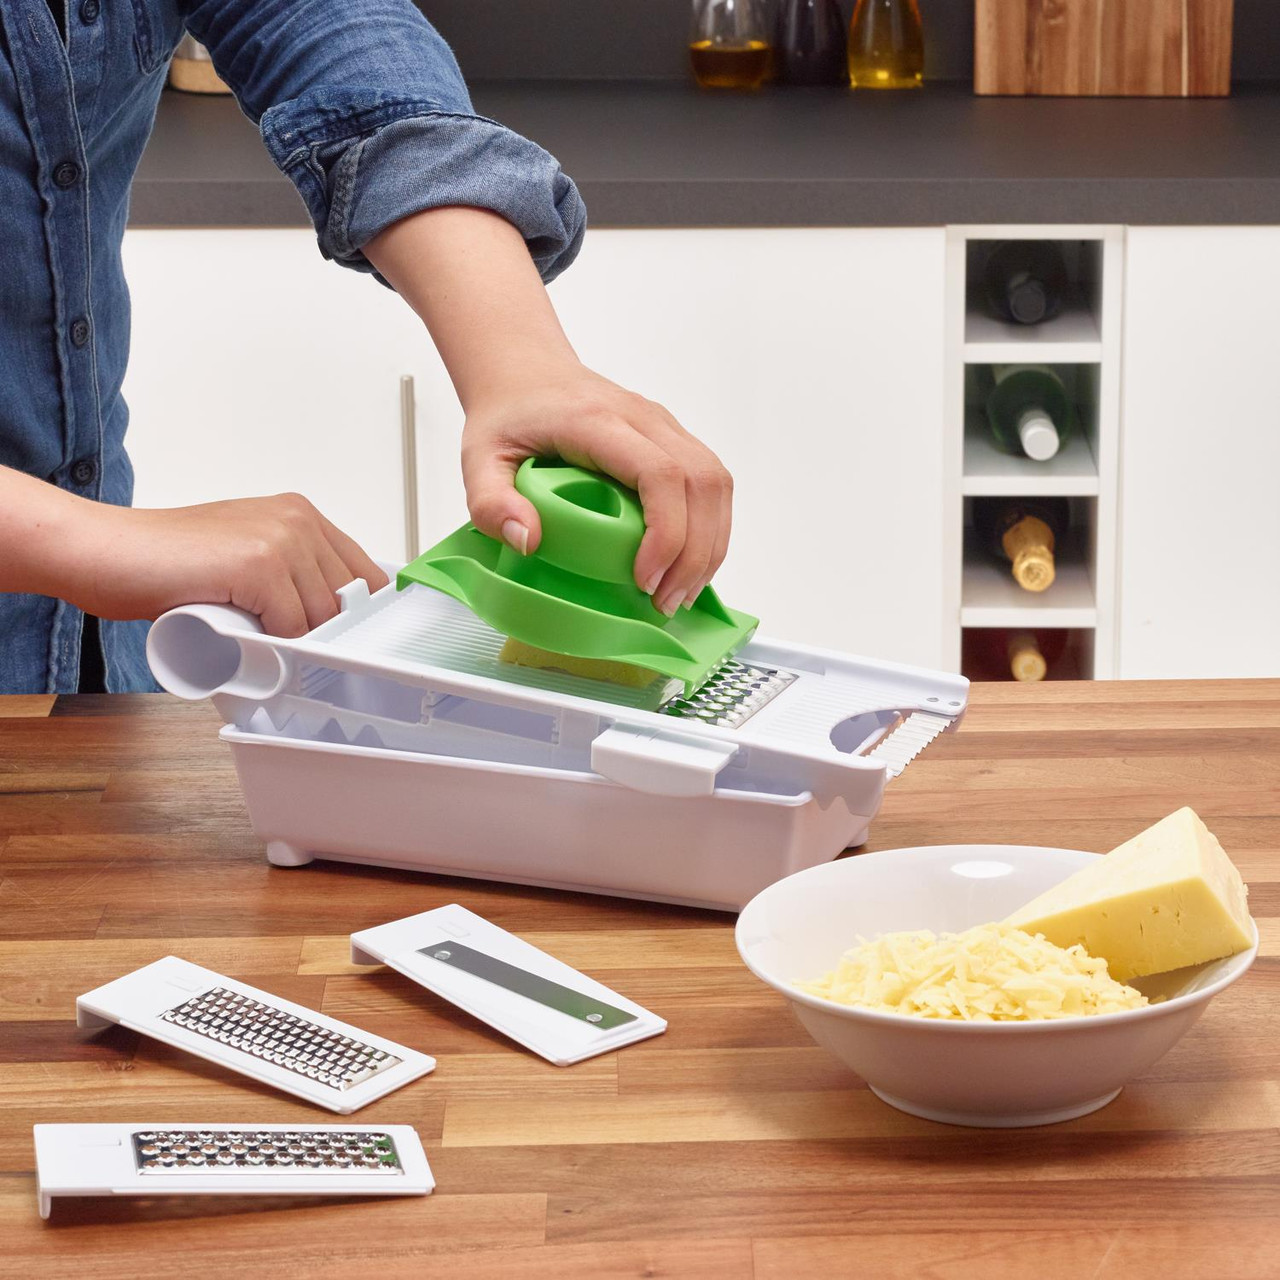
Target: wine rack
x=1081, y=344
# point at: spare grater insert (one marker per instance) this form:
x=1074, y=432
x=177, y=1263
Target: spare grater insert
x=506, y=982
x=168, y=1158
x=254, y=1033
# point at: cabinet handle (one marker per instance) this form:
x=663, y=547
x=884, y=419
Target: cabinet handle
x=409, y=464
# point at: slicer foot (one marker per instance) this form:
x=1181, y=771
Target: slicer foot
x=282, y=854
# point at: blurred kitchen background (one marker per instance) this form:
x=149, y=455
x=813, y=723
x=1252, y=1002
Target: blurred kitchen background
x=994, y=374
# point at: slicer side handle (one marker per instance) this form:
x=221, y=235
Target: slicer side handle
x=657, y=763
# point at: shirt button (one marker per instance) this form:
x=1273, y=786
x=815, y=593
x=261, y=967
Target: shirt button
x=84, y=472
x=66, y=174
x=89, y=11
x=79, y=331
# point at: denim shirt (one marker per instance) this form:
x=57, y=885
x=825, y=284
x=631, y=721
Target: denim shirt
x=359, y=102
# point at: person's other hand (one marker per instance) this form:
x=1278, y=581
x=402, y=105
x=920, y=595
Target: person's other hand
x=575, y=414
x=277, y=557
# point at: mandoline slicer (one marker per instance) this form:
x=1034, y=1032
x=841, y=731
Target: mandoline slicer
x=576, y=593
x=393, y=735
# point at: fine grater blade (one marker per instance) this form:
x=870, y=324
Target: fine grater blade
x=275, y=1035
x=731, y=695
x=899, y=748
x=201, y=1152
x=530, y=985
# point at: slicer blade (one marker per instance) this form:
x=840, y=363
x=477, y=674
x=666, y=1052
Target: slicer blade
x=899, y=748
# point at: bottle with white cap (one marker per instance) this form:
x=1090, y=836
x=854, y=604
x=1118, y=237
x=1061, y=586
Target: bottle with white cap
x=1028, y=410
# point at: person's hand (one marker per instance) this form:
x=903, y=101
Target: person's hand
x=278, y=558
x=572, y=413
x=467, y=272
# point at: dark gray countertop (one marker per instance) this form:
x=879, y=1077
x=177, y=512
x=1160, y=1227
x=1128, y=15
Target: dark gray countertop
x=665, y=154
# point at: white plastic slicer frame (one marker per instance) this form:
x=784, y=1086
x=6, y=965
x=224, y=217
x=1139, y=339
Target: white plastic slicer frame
x=393, y=735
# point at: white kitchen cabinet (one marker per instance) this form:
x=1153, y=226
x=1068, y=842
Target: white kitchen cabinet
x=1200, y=504
x=811, y=360
x=258, y=368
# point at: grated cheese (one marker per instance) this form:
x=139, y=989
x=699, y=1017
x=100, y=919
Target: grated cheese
x=990, y=973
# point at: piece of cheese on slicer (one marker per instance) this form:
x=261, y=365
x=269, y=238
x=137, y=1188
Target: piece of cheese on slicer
x=528, y=655
x=1168, y=898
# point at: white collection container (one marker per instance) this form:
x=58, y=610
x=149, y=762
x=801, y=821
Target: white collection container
x=392, y=736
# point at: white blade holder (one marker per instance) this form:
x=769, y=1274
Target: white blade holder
x=227, y=1159
x=512, y=986
x=259, y=1035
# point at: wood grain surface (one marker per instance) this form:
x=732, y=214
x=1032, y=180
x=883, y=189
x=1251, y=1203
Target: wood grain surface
x=1103, y=48
x=730, y=1147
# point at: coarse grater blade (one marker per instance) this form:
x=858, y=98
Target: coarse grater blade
x=730, y=695
x=275, y=1035
x=196, y=1152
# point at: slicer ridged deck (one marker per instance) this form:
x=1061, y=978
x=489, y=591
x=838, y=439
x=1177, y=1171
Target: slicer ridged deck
x=425, y=626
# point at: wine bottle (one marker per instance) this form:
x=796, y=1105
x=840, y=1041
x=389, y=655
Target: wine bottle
x=1025, y=532
x=1030, y=656
x=809, y=42
x=1028, y=409
x=1025, y=281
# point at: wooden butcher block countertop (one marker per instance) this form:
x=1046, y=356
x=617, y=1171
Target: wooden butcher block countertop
x=731, y=1146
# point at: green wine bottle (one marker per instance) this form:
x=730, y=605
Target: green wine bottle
x=1028, y=410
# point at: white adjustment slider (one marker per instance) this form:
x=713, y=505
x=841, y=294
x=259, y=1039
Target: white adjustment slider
x=353, y=595
x=658, y=763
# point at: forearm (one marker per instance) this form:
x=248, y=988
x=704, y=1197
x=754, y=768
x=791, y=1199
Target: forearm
x=468, y=275
x=38, y=532
x=276, y=557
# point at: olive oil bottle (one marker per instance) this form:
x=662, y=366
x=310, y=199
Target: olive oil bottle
x=729, y=44
x=886, y=45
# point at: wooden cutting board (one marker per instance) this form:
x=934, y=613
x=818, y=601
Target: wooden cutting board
x=730, y=1148
x=1103, y=48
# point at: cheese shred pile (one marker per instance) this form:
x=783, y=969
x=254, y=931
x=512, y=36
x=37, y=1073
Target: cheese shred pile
x=991, y=973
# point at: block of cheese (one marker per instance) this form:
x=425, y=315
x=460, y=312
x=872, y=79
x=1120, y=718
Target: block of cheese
x=527, y=655
x=1169, y=897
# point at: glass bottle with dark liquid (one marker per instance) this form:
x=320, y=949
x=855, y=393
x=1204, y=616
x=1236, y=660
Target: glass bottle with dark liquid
x=809, y=42
x=728, y=44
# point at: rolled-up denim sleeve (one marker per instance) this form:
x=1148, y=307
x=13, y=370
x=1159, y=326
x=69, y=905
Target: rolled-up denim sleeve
x=362, y=105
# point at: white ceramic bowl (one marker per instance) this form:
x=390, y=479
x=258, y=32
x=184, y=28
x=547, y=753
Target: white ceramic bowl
x=999, y=1075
